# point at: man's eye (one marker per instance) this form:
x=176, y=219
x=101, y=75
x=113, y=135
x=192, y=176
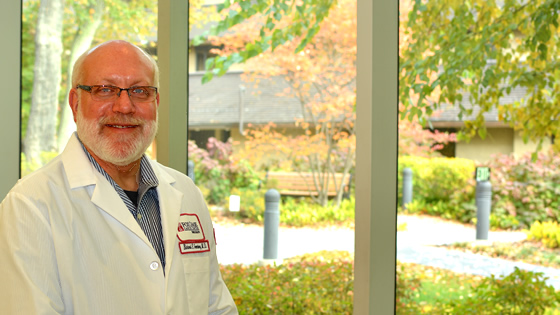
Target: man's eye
x=106, y=90
x=138, y=91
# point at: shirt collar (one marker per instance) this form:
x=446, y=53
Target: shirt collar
x=148, y=178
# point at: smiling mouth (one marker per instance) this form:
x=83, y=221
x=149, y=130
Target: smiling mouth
x=121, y=126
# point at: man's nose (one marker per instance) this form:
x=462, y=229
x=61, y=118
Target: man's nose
x=123, y=104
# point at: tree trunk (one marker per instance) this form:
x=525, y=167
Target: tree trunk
x=41, y=127
x=82, y=41
x=346, y=173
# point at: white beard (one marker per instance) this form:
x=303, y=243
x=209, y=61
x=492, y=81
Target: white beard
x=121, y=151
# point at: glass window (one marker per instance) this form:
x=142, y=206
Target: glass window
x=54, y=35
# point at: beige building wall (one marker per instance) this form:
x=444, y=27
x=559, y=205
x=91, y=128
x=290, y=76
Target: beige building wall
x=498, y=140
x=192, y=60
x=520, y=147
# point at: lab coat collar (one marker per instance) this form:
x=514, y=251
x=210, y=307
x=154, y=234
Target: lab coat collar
x=81, y=174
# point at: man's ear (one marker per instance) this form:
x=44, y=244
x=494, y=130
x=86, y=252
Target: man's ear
x=157, y=100
x=73, y=102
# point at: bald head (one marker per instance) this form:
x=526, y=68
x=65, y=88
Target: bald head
x=113, y=49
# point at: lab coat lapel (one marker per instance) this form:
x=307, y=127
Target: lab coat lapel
x=170, y=200
x=82, y=175
x=105, y=197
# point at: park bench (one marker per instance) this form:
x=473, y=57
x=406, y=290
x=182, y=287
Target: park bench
x=301, y=183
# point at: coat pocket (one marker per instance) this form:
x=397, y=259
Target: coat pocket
x=197, y=277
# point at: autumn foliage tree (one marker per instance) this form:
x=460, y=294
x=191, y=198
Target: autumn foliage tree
x=322, y=78
x=321, y=75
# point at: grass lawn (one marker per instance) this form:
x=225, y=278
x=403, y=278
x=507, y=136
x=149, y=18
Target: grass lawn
x=439, y=286
x=526, y=251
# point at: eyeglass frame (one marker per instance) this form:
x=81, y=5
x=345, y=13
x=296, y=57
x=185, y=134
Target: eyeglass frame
x=88, y=88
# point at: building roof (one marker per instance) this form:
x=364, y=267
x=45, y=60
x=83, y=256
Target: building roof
x=448, y=116
x=217, y=104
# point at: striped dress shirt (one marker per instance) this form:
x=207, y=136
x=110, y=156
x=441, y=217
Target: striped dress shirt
x=147, y=212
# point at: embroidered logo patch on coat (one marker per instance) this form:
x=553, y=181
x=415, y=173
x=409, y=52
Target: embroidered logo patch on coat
x=191, y=235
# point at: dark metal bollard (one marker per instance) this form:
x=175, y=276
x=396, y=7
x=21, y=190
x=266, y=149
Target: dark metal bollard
x=483, y=207
x=271, y=223
x=190, y=170
x=406, y=187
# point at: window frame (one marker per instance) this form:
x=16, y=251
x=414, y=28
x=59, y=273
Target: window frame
x=377, y=124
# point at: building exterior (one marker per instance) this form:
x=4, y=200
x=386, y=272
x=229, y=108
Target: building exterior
x=225, y=106
x=500, y=139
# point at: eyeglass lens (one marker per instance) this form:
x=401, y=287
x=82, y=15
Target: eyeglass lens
x=138, y=93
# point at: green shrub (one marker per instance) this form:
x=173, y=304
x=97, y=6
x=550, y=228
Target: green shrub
x=547, y=232
x=441, y=186
x=521, y=292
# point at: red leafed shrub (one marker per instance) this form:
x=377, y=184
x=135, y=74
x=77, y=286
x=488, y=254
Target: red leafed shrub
x=525, y=189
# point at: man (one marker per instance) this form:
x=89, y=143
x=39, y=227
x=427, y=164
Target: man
x=102, y=229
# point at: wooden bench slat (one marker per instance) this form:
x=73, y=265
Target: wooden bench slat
x=301, y=184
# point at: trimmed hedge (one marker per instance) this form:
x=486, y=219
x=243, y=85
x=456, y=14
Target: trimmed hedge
x=443, y=187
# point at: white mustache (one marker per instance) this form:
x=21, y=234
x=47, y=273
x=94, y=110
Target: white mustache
x=124, y=120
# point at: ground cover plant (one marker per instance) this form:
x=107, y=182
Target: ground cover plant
x=322, y=283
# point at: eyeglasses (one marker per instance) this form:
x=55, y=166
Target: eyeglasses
x=110, y=92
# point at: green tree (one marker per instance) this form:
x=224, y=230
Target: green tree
x=47, y=125
x=283, y=21
x=481, y=50
x=40, y=135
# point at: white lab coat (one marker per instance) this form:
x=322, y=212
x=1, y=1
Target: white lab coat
x=69, y=245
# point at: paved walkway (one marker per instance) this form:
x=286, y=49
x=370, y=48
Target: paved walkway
x=244, y=244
